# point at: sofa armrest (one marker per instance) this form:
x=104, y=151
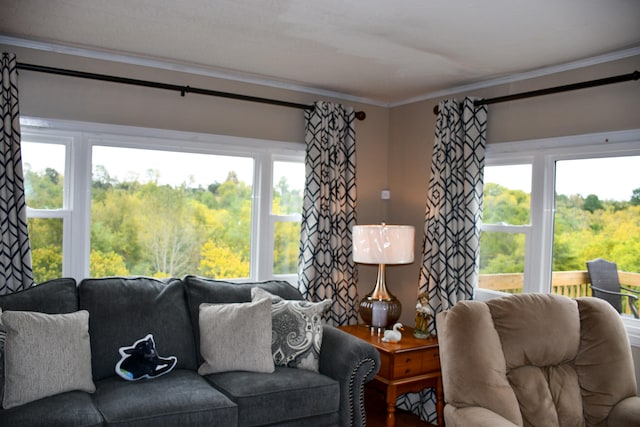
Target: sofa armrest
x=474, y=416
x=352, y=362
x=626, y=413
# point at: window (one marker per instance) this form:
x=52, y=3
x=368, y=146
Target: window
x=506, y=226
x=551, y=205
x=286, y=215
x=160, y=203
x=597, y=215
x=46, y=194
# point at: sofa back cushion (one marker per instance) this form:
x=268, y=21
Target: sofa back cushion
x=474, y=371
x=604, y=363
x=540, y=336
x=202, y=290
x=58, y=296
x=123, y=310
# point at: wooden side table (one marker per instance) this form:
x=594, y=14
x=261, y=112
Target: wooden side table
x=406, y=366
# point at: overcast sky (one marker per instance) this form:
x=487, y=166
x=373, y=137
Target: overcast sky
x=612, y=178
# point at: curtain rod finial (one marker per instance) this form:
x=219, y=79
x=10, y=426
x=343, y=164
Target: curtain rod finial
x=361, y=115
x=436, y=109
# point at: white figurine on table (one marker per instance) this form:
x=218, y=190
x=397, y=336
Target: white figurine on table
x=393, y=335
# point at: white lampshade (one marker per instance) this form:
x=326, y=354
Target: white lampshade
x=383, y=244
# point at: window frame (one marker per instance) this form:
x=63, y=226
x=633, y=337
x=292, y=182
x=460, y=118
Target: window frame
x=80, y=138
x=542, y=154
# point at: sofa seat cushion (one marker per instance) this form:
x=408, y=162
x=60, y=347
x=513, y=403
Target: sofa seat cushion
x=181, y=397
x=287, y=394
x=71, y=409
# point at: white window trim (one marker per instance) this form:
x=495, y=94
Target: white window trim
x=542, y=154
x=273, y=219
x=80, y=137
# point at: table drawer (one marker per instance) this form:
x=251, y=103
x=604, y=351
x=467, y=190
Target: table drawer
x=407, y=364
x=431, y=361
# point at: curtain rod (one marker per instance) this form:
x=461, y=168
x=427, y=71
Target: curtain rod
x=360, y=115
x=548, y=91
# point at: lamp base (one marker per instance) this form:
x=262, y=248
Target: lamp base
x=379, y=308
x=391, y=306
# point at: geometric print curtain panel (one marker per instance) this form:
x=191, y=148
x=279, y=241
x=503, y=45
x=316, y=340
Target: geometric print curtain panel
x=15, y=255
x=451, y=247
x=450, y=266
x=325, y=266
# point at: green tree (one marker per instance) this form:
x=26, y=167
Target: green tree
x=46, y=263
x=592, y=203
x=106, y=264
x=635, y=197
x=222, y=262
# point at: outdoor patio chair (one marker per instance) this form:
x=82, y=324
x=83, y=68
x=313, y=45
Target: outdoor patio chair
x=605, y=284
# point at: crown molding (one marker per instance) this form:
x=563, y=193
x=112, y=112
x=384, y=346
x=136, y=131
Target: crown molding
x=252, y=79
x=540, y=72
x=180, y=67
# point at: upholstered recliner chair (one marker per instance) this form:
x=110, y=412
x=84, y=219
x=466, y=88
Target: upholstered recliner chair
x=536, y=360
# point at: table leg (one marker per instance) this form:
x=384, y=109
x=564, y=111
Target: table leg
x=391, y=406
x=440, y=402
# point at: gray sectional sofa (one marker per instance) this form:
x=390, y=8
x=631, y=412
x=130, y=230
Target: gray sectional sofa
x=122, y=310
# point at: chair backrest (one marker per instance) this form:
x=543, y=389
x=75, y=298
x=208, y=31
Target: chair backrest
x=535, y=359
x=604, y=274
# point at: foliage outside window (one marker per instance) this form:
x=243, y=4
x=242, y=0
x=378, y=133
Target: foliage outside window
x=584, y=204
x=157, y=207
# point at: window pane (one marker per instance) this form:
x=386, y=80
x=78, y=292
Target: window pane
x=286, y=247
x=288, y=186
x=45, y=238
x=597, y=215
x=43, y=167
x=165, y=213
x=502, y=261
x=507, y=194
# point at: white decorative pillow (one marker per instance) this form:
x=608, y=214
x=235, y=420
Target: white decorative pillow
x=236, y=337
x=45, y=354
x=297, y=330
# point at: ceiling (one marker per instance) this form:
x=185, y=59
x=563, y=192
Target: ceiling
x=382, y=51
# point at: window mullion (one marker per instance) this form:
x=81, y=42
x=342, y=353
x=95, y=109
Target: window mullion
x=538, y=258
x=77, y=238
x=263, y=225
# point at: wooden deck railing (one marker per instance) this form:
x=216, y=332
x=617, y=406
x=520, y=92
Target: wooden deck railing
x=570, y=283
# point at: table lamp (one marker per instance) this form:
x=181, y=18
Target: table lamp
x=382, y=244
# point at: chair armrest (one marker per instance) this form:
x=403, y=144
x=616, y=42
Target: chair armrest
x=626, y=413
x=635, y=297
x=352, y=362
x=630, y=290
x=474, y=416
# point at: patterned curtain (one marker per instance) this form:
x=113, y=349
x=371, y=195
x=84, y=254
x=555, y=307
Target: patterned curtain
x=325, y=267
x=449, y=271
x=15, y=254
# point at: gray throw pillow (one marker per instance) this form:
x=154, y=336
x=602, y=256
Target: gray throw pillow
x=45, y=354
x=297, y=330
x=236, y=337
